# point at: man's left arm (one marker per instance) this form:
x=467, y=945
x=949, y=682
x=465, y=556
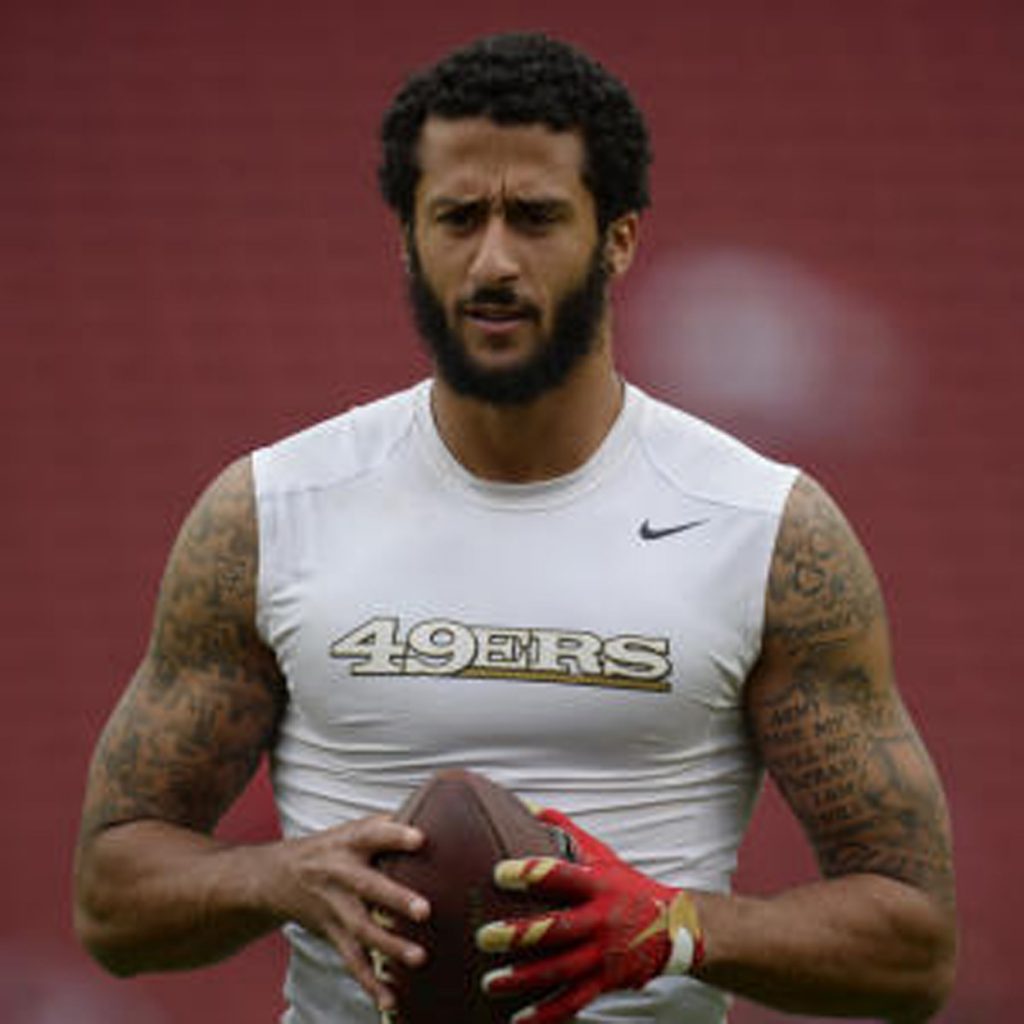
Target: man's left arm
x=877, y=936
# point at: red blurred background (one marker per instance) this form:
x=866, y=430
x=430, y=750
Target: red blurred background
x=193, y=261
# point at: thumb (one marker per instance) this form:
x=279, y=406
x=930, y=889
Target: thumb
x=581, y=845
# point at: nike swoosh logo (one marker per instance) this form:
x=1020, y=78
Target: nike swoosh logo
x=648, y=532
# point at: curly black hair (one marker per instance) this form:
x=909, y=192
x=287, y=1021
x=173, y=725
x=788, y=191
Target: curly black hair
x=517, y=79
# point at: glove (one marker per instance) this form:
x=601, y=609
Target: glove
x=620, y=930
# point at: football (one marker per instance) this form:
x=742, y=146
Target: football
x=470, y=823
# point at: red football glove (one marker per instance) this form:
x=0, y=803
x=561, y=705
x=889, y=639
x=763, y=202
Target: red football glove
x=621, y=929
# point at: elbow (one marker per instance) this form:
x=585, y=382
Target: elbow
x=100, y=942
x=928, y=998
x=99, y=919
x=934, y=977
x=945, y=947
x=113, y=962
x=939, y=985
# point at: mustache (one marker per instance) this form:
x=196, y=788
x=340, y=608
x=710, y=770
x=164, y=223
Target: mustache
x=500, y=297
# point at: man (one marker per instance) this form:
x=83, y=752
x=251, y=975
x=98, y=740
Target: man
x=527, y=567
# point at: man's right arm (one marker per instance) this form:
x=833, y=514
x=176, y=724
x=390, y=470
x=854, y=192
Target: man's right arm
x=154, y=889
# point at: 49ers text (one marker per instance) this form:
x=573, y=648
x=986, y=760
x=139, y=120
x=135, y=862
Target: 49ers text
x=445, y=647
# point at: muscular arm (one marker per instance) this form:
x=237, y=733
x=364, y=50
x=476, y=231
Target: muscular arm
x=876, y=937
x=155, y=890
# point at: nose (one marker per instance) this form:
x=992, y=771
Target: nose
x=495, y=260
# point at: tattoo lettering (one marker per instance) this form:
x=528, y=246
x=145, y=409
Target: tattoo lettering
x=830, y=724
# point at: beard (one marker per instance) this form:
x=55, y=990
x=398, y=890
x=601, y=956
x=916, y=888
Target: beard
x=574, y=331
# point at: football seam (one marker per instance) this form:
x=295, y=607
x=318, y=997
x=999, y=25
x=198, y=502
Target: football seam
x=497, y=839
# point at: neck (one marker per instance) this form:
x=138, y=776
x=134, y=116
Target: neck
x=541, y=440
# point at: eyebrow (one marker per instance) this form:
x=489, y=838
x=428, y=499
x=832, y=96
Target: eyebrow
x=545, y=204
x=442, y=203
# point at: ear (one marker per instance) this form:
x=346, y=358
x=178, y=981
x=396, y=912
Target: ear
x=405, y=249
x=620, y=243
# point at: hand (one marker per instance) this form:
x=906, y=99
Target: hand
x=621, y=929
x=326, y=882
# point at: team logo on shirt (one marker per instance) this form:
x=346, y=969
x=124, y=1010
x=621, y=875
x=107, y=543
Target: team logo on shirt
x=445, y=647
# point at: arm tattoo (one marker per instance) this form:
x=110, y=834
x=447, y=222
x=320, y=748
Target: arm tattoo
x=205, y=703
x=826, y=714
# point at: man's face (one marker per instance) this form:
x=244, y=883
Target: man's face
x=507, y=270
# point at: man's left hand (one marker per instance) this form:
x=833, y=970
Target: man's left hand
x=620, y=929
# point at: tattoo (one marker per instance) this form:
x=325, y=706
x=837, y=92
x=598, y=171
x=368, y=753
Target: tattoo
x=205, y=703
x=830, y=724
x=821, y=588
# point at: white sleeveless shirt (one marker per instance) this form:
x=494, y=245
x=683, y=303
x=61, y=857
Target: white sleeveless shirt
x=584, y=641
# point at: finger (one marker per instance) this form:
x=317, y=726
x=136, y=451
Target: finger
x=552, y=817
x=369, y=947
x=588, y=849
x=346, y=922
x=380, y=891
x=545, y=974
x=375, y=888
x=548, y=876
x=535, y=808
x=380, y=833
x=543, y=931
x=383, y=967
x=377, y=933
x=361, y=968
x=559, y=825
x=340, y=860
x=562, y=1006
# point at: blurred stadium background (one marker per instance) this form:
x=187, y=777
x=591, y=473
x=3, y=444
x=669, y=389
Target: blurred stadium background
x=193, y=261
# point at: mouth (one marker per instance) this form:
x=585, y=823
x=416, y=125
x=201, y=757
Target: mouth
x=496, y=319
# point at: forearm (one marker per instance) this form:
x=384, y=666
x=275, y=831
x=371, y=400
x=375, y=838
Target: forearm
x=152, y=896
x=857, y=946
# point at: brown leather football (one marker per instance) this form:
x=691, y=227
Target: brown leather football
x=470, y=823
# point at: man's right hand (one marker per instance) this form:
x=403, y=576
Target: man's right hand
x=155, y=890
x=326, y=882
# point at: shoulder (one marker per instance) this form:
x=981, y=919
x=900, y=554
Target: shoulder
x=223, y=518
x=707, y=462
x=342, y=447
x=205, y=701
x=210, y=575
x=822, y=588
